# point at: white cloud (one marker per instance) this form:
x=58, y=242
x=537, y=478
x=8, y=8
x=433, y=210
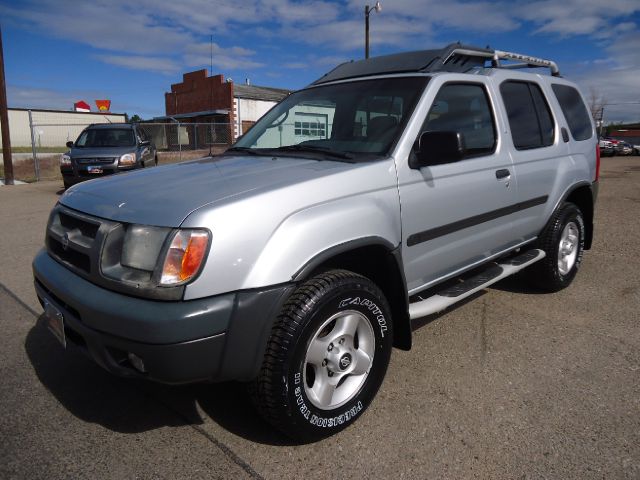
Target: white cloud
x=29, y=97
x=167, y=37
x=576, y=17
x=616, y=78
x=224, y=58
x=139, y=62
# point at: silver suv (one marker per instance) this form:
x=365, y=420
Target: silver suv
x=387, y=190
x=107, y=148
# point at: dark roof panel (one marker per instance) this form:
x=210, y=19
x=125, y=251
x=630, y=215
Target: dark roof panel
x=420, y=61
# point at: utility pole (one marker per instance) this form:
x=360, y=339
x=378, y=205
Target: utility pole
x=4, y=123
x=376, y=8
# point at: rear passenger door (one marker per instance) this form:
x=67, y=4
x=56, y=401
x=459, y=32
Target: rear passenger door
x=457, y=214
x=538, y=153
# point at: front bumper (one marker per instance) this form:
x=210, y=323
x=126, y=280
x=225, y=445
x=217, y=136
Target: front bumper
x=79, y=173
x=211, y=339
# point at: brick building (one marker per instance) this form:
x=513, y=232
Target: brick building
x=630, y=135
x=200, y=98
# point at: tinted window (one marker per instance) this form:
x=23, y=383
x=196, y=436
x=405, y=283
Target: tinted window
x=106, y=137
x=544, y=115
x=529, y=115
x=464, y=108
x=362, y=119
x=574, y=111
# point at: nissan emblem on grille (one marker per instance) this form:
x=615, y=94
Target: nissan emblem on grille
x=65, y=242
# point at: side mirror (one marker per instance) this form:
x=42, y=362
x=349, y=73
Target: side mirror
x=434, y=148
x=145, y=143
x=69, y=144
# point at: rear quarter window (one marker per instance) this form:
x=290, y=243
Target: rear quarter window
x=529, y=115
x=574, y=111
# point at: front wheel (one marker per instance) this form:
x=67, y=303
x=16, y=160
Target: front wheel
x=563, y=242
x=327, y=356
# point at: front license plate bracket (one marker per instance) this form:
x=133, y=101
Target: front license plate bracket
x=55, y=322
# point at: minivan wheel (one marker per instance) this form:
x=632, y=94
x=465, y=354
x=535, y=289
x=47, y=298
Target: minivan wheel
x=327, y=356
x=563, y=242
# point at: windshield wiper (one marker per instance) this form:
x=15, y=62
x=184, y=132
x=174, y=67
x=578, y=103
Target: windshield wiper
x=250, y=151
x=314, y=149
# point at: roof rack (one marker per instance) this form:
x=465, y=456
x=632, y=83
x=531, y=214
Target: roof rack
x=453, y=58
x=497, y=55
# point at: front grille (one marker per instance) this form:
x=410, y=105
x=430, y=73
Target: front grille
x=68, y=255
x=74, y=239
x=96, y=161
x=92, y=248
x=87, y=229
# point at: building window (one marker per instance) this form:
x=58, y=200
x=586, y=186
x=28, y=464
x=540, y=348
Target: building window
x=310, y=125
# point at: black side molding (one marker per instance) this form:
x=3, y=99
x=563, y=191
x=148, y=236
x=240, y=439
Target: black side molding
x=433, y=233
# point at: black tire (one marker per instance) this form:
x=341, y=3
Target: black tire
x=548, y=274
x=156, y=161
x=66, y=184
x=284, y=390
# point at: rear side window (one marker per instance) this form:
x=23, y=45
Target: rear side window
x=529, y=115
x=574, y=111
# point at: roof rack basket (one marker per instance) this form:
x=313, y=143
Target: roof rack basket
x=497, y=55
x=452, y=58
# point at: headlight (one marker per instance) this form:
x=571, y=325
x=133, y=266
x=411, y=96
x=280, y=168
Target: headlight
x=185, y=255
x=150, y=257
x=141, y=247
x=65, y=160
x=127, y=160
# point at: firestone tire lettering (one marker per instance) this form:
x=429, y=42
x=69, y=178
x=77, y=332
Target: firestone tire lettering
x=279, y=391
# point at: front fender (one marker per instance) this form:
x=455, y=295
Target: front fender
x=309, y=233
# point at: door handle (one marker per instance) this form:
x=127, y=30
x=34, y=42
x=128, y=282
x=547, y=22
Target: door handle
x=502, y=173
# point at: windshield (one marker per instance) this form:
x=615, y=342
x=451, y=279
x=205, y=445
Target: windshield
x=358, y=119
x=103, y=137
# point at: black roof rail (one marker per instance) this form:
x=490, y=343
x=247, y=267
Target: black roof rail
x=452, y=58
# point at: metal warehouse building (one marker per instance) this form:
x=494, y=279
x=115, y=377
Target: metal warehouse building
x=52, y=128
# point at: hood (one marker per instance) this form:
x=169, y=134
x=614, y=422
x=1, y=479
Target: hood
x=165, y=196
x=100, y=152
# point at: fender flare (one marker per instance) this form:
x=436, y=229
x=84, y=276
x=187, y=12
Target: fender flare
x=396, y=290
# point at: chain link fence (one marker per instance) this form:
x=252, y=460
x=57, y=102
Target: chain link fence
x=37, y=155
x=182, y=141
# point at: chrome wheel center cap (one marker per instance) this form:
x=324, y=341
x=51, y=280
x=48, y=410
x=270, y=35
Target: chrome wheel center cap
x=345, y=361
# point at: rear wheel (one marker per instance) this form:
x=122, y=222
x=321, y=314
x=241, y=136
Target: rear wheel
x=563, y=242
x=327, y=356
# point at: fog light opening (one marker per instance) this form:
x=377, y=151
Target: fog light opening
x=137, y=362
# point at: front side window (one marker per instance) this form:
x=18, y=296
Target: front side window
x=574, y=111
x=529, y=115
x=106, y=137
x=464, y=108
x=359, y=119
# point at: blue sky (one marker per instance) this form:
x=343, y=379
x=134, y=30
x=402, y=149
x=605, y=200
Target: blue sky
x=57, y=52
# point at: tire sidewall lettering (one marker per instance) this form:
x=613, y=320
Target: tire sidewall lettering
x=301, y=407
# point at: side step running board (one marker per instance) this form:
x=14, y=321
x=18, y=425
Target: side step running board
x=492, y=274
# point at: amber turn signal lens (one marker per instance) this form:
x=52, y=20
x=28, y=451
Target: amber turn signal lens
x=184, y=258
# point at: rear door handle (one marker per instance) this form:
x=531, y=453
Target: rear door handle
x=502, y=173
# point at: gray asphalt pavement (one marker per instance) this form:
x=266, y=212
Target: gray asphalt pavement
x=512, y=384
